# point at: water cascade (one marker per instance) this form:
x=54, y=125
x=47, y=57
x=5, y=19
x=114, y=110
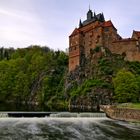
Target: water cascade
x=3, y=115
x=68, y=114
x=65, y=128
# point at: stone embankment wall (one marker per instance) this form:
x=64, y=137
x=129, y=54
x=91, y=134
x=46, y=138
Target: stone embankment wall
x=121, y=113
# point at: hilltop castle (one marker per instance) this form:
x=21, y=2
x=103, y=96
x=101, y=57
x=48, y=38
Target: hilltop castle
x=96, y=31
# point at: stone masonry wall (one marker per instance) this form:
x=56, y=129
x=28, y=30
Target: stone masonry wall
x=130, y=49
x=121, y=113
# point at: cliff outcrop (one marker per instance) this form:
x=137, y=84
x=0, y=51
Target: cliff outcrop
x=90, y=84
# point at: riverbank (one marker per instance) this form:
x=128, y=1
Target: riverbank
x=121, y=113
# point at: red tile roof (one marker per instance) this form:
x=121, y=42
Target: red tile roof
x=104, y=24
x=76, y=31
x=108, y=24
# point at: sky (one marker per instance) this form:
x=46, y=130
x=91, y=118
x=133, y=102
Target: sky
x=50, y=22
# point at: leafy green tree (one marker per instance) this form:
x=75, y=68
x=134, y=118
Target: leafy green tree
x=126, y=86
x=21, y=88
x=33, y=74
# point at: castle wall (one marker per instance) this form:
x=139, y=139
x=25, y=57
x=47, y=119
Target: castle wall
x=128, y=47
x=125, y=114
x=92, y=36
x=74, y=51
x=109, y=35
x=98, y=32
x=73, y=62
x=74, y=57
x=120, y=47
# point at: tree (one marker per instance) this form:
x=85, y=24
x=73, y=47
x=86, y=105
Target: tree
x=126, y=87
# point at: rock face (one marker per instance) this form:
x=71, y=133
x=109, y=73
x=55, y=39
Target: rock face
x=91, y=101
x=90, y=70
x=122, y=113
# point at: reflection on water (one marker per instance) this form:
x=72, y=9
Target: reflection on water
x=67, y=129
x=19, y=107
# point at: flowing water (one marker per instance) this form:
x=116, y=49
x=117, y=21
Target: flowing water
x=67, y=128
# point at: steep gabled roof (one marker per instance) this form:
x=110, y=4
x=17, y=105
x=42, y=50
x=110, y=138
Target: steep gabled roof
x=76, y=31
x=93, y=17
x=108, y=24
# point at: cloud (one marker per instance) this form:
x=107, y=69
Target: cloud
x=19, y=28
x=50, y=22
x=20, y=15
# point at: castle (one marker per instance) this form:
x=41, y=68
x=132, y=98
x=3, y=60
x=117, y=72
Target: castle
x=96, y=31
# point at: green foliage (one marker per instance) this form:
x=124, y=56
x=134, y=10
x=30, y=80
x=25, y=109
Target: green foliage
x=105, y=66
x=129, y=105
x=110, y=65
x=97, y=49
x=5, y=53
x=126, y=86
x=32, y=74
x=134, y=67
x=37, y=74
x=89, y=85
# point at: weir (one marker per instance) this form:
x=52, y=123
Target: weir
x=25, y=114
x=68, y=114
x=50, y=114
x=3, y=115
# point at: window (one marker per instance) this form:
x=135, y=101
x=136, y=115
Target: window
x=70, y=49
x=97, y=39
x=75, y=48
x=72, y=62
x=106, y=29
x=137, y=43
x=106, y=37
x=91, y=34
x=90, y=42
x=96, y=30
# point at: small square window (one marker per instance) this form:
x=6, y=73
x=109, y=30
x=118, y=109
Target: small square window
x=70, y=49
x=106, y=29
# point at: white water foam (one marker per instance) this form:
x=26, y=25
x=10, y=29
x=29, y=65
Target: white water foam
x=62, y=128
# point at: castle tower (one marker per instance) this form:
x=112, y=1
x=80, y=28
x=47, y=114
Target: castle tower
x=92, y=32
x=74, y=48
x=89, y=14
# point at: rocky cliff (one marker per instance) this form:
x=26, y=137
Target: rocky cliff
x=90, y=84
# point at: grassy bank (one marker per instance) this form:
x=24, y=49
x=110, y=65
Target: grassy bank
x=129, y=105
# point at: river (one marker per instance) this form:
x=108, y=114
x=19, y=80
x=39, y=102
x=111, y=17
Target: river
x=51, y=128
